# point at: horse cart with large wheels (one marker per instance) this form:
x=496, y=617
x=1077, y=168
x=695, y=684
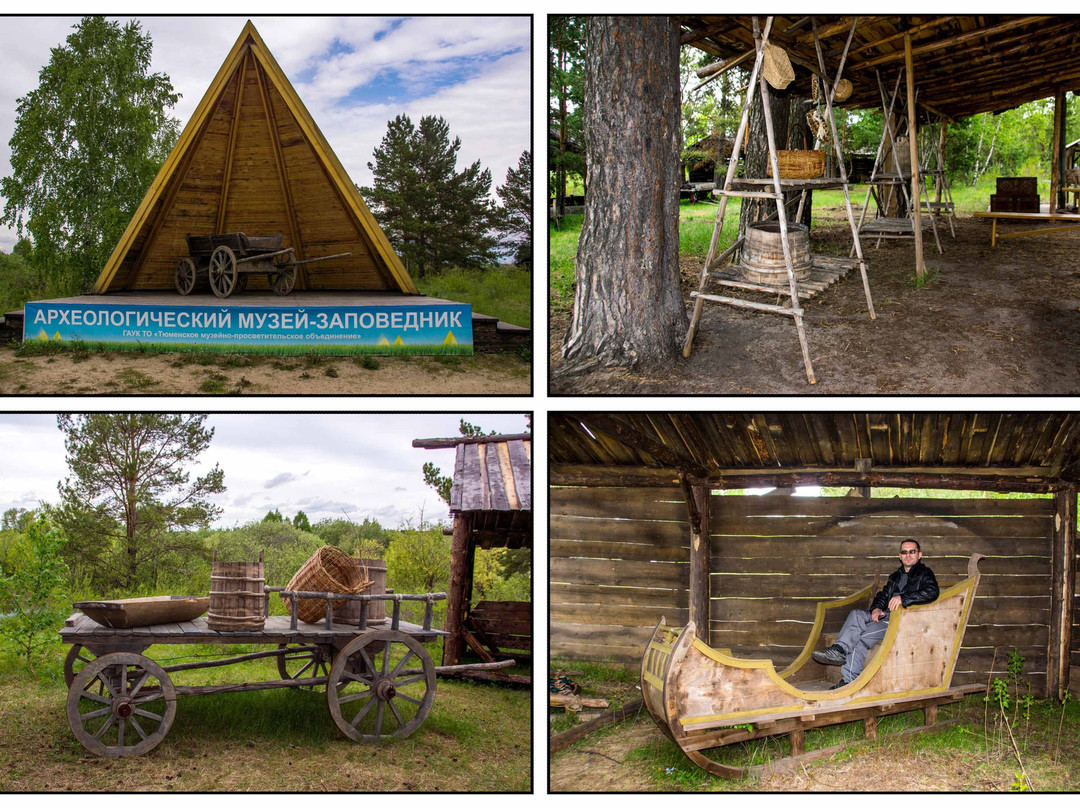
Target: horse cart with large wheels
x=379, y=678
x=228, y=259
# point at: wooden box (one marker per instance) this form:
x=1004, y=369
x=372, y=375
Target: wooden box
x=1018, y=186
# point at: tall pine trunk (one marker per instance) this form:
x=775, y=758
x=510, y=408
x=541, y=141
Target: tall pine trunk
x=628, y=306
x=756, y=155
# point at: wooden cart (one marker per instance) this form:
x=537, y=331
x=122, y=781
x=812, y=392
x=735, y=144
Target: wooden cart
x=227, y=259
x=703, y=697
x=379, y=679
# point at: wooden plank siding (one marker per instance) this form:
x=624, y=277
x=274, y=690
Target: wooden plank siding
x=620, y=560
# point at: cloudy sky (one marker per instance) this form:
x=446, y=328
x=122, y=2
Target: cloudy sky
x=322, y=464
x=353, y=73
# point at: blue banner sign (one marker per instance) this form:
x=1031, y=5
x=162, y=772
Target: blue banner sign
x=436, y=328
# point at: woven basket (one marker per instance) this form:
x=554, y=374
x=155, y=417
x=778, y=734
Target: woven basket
x=776, y=66
x=799, y=164
x=328, y=570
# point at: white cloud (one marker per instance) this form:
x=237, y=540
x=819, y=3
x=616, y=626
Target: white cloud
x=489, y=108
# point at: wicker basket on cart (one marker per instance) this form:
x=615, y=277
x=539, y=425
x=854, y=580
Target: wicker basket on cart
x=329, y=570
x=799, y=164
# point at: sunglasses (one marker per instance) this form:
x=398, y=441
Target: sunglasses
x=908, y=552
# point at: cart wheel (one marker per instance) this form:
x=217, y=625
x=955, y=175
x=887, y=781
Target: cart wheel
x=387, y=671
x=304, y=664
x=184, y=277
x=121, y=705
x=77, y=659
x=223, y=271
x=285, y=279
x=241, y=282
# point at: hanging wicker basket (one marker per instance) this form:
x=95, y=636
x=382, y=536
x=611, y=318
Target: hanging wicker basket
x=776, y=66
x=799, y=164
x=844, y=89
x=328, y=570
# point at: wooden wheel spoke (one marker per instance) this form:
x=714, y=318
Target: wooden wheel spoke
x=138, y=728
x=96, y=713
x=379, y=717
x=417, y=702
x=356, y=677
x=157, y=696
x=86, y=660
x=401, y=665
x=386, y=655
x=370, y=662
x=105, y=726
x=100, y=699
x=150, y=715
x=399, y=683
x=120, y=733
x=363, y=711
x=138, y=685
x=367, y=694
x=105, y=681
x=397, y=715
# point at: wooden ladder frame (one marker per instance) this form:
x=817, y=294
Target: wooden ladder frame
x=936, y=151
x=758, y=84
x=887, y=107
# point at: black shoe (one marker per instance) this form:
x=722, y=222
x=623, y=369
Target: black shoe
x=839, y=685
x=833, y=655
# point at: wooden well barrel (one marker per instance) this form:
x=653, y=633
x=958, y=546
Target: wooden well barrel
x=374, y=570
x=237, y=595
x=763, y=253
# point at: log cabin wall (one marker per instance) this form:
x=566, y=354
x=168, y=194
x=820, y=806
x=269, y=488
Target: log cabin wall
x=620, y=561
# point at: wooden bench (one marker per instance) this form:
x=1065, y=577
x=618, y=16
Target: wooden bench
x=501, y=628
x=994, y=216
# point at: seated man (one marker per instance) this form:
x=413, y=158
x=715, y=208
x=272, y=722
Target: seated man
x=912, y=583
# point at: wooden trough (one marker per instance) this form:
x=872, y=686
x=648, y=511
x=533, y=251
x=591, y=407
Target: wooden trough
x=703, y=698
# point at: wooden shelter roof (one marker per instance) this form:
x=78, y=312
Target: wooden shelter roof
x=252, y=160
x=1017, y=451
x=963, y=64
x=493, y=483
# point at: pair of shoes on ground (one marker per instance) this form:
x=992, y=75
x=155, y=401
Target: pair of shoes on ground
x=839, y=685
x=833, y=655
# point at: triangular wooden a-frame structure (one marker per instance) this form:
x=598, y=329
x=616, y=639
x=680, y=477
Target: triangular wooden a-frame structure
x=252, y=160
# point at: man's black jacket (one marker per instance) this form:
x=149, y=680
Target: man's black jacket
x=921, y=588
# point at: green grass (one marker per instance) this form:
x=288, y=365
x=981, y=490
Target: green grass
x=504, y=292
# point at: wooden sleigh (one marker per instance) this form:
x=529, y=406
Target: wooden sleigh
x=703, y=698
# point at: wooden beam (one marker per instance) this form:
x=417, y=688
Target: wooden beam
x=571, y=736
x=949, y=42
x=1057, y=153
x=456, y=605
x=450, y=443
x=913, y=145
x=230, y=150
x=700, y=549
x=283, y=177
x=635, y=439
x=1063, y=582
x=877, y=43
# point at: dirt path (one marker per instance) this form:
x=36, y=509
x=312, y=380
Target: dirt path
x=989, y=321
x=193, y=374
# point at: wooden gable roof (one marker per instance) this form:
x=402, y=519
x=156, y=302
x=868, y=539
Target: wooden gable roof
x=252, y=160
x=963, y=64
x=493, y=483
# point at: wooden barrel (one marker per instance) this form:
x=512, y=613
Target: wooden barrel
x=763, y=253
x=374, y=570
x=237, y=595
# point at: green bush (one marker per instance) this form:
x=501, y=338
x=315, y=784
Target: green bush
x=31, y=598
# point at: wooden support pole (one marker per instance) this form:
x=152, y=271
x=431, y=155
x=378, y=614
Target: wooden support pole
x=798, y=743
x=456, y=605
x=870, y=728
x=699, y=562
x=1057, y=153
x=916, y=209
x=929, y=715
x=1062, y=582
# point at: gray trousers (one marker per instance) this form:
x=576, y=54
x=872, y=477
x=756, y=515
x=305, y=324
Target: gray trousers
x=857, y=637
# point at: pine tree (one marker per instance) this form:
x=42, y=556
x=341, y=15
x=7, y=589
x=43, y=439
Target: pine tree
x=516, y=212
x=433, y=215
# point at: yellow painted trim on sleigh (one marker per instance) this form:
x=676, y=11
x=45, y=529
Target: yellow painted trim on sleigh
x=702, y=719
x=819, y=623
x=653, y=680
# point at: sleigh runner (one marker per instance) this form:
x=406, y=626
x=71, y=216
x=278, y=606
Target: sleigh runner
x=703, y=698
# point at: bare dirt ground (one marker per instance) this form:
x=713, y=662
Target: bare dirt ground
x=193, y=374
x=636, y=756
x=990, y=321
